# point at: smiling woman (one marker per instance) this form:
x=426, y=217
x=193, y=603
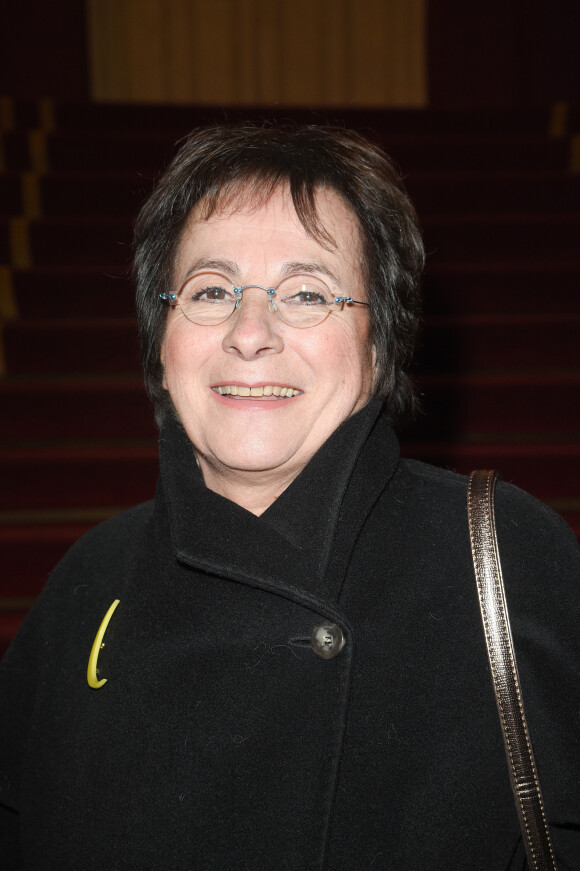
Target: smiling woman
x=222, y=172
x=278, y=662
x=250, y=447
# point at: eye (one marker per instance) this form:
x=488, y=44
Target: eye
x=211, y=294
x=309, y=297
x=304, y=295
x=207, y=289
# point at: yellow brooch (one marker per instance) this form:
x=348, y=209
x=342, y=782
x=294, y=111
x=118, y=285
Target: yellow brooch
x=92, y=678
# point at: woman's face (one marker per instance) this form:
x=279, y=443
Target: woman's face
x=268, y=437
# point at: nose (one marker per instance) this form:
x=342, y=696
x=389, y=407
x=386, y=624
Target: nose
x=253, y=329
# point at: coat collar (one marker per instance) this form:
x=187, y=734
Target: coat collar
x=290, y=547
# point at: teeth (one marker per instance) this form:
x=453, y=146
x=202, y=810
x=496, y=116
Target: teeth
x=267, y=390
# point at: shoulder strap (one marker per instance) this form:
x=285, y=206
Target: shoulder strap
x=504, y=670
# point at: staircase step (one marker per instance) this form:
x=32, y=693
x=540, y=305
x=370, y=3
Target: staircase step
x=147, y=117
x=63, y=194
x=60, y=292
x=29, y=553
x=10, y=195
x=462, y=238
x=15, y=150
x=501, y=215
x=451, y=344
x=458, y=407
x=25, y=112
x=449, y=288
x=72, y=409
x=548, y=471
x=499, y=408
x=150, y=150
x=482, y=288
x=482, y=153
x=494, y=193
x=499, y=342
x=5, y=246
x=78, y=242
x=69, y=346
x=71, y=477
x=77, y=477
x=458, y=238
x=114, y=193
x=81, y=241
x=99, y=151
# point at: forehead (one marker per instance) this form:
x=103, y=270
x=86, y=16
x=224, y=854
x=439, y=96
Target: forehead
x=250, y=226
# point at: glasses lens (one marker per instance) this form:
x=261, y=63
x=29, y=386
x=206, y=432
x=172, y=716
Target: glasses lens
x=207, y=298
x=303, y=301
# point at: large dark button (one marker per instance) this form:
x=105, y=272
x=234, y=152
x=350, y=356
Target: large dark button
x=327, y=640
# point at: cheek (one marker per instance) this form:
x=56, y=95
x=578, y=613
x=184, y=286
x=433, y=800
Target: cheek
x=188, y=355
x=349, y=355
x=342, y=368
x=177, y=352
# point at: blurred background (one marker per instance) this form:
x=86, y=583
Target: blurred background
x=479, y=104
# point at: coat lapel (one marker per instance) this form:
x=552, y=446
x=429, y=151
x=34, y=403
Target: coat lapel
x=294, y=538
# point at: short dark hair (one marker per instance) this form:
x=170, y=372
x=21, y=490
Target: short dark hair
x=217, y=165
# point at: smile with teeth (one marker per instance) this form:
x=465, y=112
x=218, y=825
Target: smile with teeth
x=266, y=390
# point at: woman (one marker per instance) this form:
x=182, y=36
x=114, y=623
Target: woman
x=293, y=675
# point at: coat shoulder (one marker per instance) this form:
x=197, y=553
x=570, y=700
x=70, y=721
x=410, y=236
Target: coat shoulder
x=100, y=560
x=514, y=507
x=109, y=541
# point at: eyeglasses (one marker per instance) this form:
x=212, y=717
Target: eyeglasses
x=209, y=298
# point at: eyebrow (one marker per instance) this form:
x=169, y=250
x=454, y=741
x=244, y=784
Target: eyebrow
x=308, y=267
x=203, y=264
x=292, y=267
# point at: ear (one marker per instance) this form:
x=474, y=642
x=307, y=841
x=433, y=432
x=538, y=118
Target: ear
x=162, y=361
x=374, y=368
x=373, y=356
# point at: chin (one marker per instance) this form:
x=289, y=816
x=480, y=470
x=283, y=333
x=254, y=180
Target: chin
x=256, y=457
x=256, y=463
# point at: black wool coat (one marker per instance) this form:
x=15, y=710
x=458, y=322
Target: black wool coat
x=222, y=740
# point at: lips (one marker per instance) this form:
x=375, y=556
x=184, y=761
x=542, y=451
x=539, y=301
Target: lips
x=267, y=390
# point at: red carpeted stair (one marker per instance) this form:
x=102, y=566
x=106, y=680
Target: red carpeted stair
x=499, y=361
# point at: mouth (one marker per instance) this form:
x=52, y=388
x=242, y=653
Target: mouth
x=267, y=391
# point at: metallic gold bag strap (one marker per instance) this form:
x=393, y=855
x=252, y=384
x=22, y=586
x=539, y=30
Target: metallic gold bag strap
x=504, y=670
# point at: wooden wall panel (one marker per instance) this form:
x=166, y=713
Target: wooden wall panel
x=256, y=52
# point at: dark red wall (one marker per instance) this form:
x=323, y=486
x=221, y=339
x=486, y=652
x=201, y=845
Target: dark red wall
x=43, y=49
x=503, y=52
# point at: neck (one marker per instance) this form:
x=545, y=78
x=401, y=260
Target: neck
x=255, y=491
